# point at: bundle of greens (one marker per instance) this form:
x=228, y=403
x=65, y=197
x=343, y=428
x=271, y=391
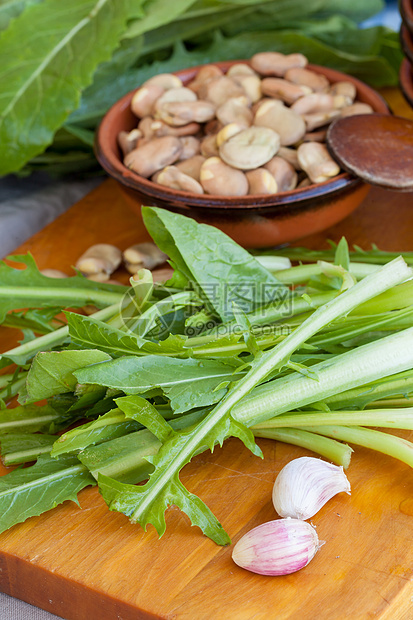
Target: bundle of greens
x=80, y=56
x=232, y=346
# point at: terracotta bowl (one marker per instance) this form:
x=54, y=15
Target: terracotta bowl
x=406, y=12
x=253, y=221
x=406, y=80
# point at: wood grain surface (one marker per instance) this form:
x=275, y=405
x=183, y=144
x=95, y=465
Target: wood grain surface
x=89, y=564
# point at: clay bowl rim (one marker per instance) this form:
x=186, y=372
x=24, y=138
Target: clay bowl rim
x=406, y=40
x=406, y=12
x=294, y=198
x=406, y=80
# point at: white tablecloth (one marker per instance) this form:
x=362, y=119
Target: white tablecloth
x=28, y=205
x=13, y=609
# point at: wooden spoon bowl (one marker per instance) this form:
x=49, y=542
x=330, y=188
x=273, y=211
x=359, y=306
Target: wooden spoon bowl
x=376, y=148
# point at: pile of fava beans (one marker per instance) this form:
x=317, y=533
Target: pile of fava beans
x=258, y=129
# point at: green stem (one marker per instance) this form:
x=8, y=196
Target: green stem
x=53, y=339
x=377, y=257
x=13, y=389
x=344, y=334
x=399, y=297
x=25, y=456
x=275, y=264
x=385, y=418
x=335, y=451
x=8, y=378
x=391, y=402
x=89, y=296
x=396, y=447
x=381, y=280
x=349, y=370
x=360, y=396
x=16, y=425
x=267, y=315
x=302, y=273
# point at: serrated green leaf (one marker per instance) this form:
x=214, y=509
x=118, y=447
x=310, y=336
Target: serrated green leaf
x=39, y=320
x=149, y=502
x=137, y=502
x=108, y=426
x=142, y=411
x=51, y=372
x=174, y=344
x=33, y=490
x=122, y=498
x=47, y=74
x=20, y=288
x=89, y=332
x=126, y=458
x=188, y=383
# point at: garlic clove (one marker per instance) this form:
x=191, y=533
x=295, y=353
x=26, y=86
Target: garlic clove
x=279, y=547
x=146, y=255
x=101, y=259
x=305, y=484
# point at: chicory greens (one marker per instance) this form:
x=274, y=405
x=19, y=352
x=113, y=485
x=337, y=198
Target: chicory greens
x=311, y=364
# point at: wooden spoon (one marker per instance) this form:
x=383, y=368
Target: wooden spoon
x=374, y=147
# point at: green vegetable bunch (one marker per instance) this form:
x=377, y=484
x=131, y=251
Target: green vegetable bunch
x=232, y=346
x=65, y=63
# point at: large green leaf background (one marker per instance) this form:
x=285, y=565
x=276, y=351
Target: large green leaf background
x=49, y=54
x=80, y=56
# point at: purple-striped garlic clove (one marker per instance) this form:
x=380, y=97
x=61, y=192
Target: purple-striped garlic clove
x=279, y=547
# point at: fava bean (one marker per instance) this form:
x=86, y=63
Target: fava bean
x=154, y=155
x=275, y=63
x=317, y=162
x=191, y=166
x=261, y=182
x=174, y=178
x=267, y=117
x=223, y=180
x=250, y=148
x=283, y=173
x=289, y=125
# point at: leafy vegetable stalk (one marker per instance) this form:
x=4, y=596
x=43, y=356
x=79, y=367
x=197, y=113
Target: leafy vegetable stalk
x=147, y=504
x=280, y=362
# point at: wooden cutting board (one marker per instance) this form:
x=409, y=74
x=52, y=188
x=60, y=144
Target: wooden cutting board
x=89, y=564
